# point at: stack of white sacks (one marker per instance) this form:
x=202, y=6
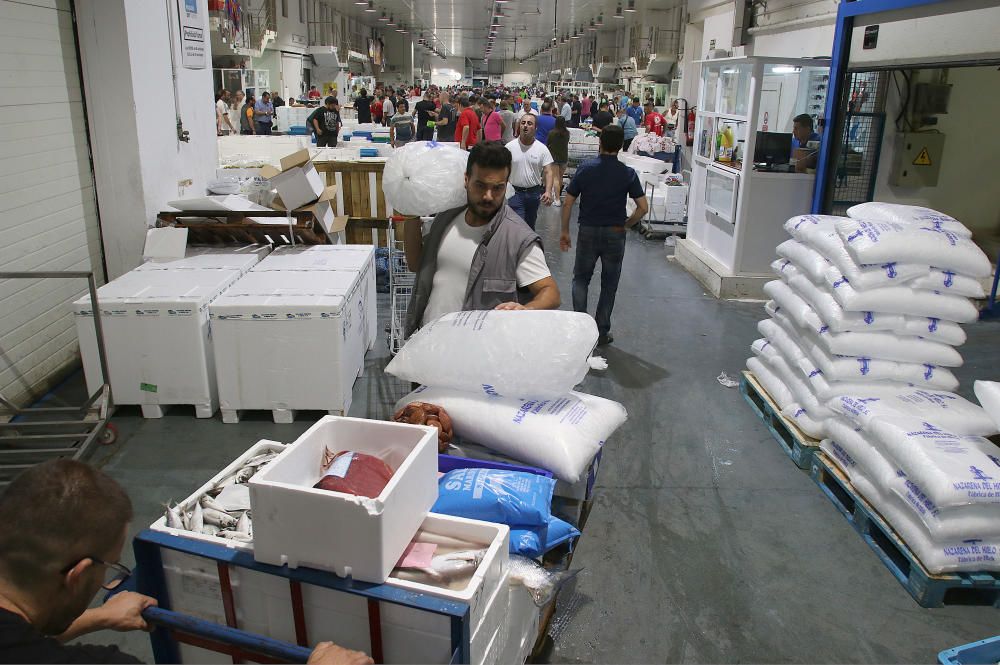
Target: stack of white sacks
x=858, y=350
x=506, y=379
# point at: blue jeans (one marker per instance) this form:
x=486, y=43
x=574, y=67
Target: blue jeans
x=263, y=127
x=606, y=243
x=525, y=204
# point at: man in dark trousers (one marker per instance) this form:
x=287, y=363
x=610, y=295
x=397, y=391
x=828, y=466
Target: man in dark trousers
x=64, y=526
x=325, y=123
x=426, y=117
x=602, y=184
x=363, y=105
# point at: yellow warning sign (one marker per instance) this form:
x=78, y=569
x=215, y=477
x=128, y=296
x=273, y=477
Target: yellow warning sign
x=923, y=159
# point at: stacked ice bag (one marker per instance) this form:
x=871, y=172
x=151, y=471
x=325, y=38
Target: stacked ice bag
x=858, y=350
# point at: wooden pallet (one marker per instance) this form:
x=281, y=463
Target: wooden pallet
x=797, y=444
x=236, y=228
x=928, y=590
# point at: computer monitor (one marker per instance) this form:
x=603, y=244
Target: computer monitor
x=772, y=148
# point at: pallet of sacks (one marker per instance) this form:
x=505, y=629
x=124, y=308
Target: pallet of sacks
x=858, y=351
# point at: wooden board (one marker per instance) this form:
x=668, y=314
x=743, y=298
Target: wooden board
x=797, y=444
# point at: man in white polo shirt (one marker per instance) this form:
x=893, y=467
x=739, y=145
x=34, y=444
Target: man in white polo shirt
x=532, y=172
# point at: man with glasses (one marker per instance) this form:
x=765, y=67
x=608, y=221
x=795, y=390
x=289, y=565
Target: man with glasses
x=63, y=526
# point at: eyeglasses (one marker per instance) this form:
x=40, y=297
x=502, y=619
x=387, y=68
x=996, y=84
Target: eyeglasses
x=115, y=574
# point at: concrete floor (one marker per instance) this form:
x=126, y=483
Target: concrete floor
x=706, y=543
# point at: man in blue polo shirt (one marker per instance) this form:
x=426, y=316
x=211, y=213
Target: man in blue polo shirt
x=603, y=185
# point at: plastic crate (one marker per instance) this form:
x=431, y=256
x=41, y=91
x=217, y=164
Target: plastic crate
x=982, y=652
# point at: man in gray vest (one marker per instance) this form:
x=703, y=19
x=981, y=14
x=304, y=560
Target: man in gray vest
x=479, y=256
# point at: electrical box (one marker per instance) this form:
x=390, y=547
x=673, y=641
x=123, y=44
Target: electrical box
x=931, y=98
x=917, y=161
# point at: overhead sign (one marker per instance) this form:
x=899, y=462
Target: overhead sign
x=923, y=159
x=194, y=33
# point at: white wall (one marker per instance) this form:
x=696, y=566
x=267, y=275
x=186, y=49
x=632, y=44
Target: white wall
x=138, y=160
x=963, y=190
x=718, y=26
x=292, y=34
x=803, y=42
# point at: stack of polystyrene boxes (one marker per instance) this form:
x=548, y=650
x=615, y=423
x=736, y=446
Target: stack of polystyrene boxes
x=293, y=333
x=156, y=330
x=297, y=525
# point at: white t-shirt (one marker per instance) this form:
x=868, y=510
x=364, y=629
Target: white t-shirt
x=387, y=108
x=528, y=162
x=567, y=111
x=221, y=111
x=454, y=262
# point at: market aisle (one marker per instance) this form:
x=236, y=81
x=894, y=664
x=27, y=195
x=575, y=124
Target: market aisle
x=706, y=544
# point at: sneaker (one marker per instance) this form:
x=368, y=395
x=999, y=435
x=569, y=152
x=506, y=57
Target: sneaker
x=605, y=340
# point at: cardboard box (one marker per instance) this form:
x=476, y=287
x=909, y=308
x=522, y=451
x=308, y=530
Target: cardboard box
x=298, y=182
x=156, y=335
x=321, y=208
x=291, y=340
x=352, y=536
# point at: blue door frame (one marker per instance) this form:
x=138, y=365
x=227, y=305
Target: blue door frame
x=846, y=14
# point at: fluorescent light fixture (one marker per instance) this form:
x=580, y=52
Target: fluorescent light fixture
x=730, y=71
x=785, y=69
x=592, y=26
x=392, y=21
x=361, y=2
x=383, y=18
x=371, y=6
x=631, y=6
x=600, y=20
x=618, y=12
x=576, y=35
x=496, y=22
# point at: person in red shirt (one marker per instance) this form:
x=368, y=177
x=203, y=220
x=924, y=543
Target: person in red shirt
x=377, y=109
x=467, y=127
x=653, y=122
x=314, y=93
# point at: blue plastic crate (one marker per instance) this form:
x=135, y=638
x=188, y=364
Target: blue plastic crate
x=298, y=130
x=983, y=652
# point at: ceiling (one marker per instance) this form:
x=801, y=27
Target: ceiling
x=462, y=26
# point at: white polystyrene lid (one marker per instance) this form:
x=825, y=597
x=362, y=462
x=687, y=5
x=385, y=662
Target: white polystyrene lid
x=988, y=394
x=202, y=258
x=195, y=287
x=316, y=257
x=289, y=292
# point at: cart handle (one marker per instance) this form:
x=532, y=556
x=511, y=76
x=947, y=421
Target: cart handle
x=232, y=637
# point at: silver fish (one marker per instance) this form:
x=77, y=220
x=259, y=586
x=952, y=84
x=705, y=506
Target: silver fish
x=197, y=520
x=243, y=524
x=208, y=502
x=210, y=529
x=174, y=520
x=448, y=567
x=235, y=535
x=245, y=474
x=218, y=518
x=260, y=460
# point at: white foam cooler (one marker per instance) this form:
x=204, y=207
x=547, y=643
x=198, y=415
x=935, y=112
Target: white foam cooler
x=291, y=340
x=263, y=604
x=156, y=335
x=351, y=536
x=332, y=257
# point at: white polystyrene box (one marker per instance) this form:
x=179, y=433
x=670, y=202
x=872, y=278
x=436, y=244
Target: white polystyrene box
x=522, y=625
x=291, y=340
x=354, y=536
x=156, y=336
x=298, y=185
x=332, y=257
x=212, y=258
x=489, y=577
x=262, y=605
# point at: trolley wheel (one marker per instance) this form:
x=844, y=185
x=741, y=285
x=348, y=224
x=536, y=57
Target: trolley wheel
x=109, y=435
